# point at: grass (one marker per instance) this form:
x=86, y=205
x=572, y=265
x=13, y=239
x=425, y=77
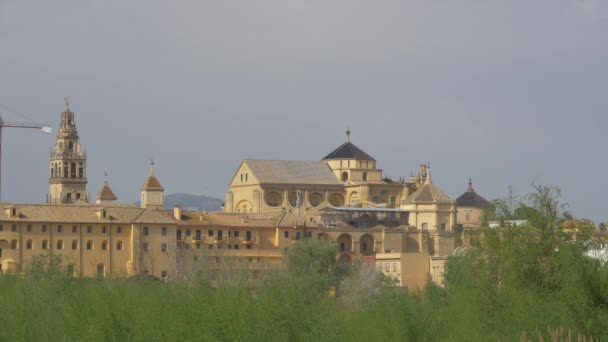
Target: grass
x=507, y=288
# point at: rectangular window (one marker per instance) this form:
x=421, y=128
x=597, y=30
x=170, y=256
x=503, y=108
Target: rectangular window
x=59, y=229
x=145, y=246
x=309, y=234
x=89, y=229
x=286, y=234
x=163, y=247
x=74, y=245
x=220, y=234
x=236, y=247
x=198, y=234
x=248, y=246
x=74, y=229
x=188, y=232
x=146, y=232
x=179, y=234
x=163, y=231
x=103, y=229
x=29, y=228
x=44, y=228
x=248, y=235
x=298, y=235
x=1, y=228
x=89, y=245
x=14, y=228
x=210, y=232
x=118, y=230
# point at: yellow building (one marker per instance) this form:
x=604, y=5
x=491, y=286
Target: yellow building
x=270, y=205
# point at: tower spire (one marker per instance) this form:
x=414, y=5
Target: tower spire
x=470, y=186
x=67, y=104
x=151, y=167
x=347, y=133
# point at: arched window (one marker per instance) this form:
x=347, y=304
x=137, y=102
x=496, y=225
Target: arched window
x=354, y=198
x=364, y=176
x=70, y=271
x=28, y=244
x=59, y=244
x=104, y=245
x=344, y=176
x=101, y=271
x=119, y=245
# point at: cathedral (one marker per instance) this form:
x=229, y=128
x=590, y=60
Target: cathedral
x=347, y=177
x=405, y=228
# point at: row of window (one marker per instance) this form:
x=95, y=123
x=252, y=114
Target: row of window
x=163, y=231
x=104, y=229
x=200, y=246
x=29, y=244
x=89, y=230
x=220, y=234
x=387, y=267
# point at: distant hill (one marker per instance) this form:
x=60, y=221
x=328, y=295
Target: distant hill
x=192, y=202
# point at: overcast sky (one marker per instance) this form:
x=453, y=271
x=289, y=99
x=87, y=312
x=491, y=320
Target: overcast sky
x=506, y=92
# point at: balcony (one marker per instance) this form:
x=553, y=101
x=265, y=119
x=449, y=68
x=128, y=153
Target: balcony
x=220, y=240
x=68, y=155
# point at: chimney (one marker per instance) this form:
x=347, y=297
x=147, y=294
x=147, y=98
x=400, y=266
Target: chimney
x=177, y=213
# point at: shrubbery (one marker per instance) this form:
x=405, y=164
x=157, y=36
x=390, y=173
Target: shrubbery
x=511, y=283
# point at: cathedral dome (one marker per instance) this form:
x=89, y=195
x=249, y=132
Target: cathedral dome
x=348, y=150
x=471, y=199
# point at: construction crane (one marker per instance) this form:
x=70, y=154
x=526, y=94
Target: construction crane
x=45, y=128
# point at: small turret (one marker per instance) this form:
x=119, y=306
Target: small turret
x=106, y=195
x=152, y=192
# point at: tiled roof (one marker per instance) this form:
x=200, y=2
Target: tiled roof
x=428, y=193
x=348, y=151
x=472, y=199
x=292, y=172
x=106, y=193
x=152, y=183
x=83, y=213
x=270, y=220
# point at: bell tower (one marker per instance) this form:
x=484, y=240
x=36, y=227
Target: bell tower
x=68, y=163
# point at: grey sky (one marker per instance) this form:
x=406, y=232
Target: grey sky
x=507, y=92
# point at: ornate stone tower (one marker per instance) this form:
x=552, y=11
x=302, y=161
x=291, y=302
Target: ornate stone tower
x=68, y=163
